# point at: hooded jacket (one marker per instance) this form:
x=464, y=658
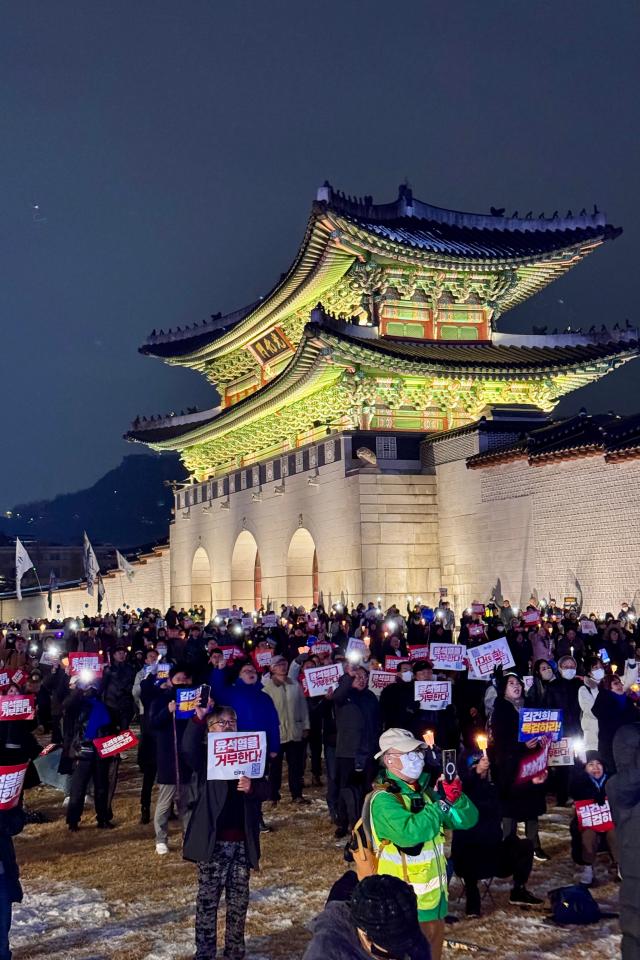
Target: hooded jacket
x=623, y=790
x=254, y=709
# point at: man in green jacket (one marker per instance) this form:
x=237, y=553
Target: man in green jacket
x=408, y=821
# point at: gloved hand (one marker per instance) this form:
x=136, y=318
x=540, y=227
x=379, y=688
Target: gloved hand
x=450, y=791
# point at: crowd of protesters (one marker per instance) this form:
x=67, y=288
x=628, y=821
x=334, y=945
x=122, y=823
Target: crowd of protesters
x=368, y=742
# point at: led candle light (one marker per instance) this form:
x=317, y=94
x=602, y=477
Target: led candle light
x=482, y=740
x=429, y=738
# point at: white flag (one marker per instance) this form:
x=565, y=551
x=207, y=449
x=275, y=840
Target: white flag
x=125, y=566
x=23, y=564
x=91, y=568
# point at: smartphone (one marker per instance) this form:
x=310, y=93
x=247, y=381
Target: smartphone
x=604, y=656
x=205, y=693
x=449, y=767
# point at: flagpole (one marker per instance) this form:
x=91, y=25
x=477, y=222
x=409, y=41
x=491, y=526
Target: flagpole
x=61, y=603
x=35, y=572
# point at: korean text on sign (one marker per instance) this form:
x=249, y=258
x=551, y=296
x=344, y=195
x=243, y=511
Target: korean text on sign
x=11, y=781
x=432, y=694
x=379, y=679
x=85, y=661
x=419, y=652
x=561, y=754
x=536, y=723
x=357, y=646
x=594, y=816
x=534, y=766
x=262, y=659
x=321, y=680
x=17, y=708
x=485, y=658
x=232, y=653
x=234, y=755
x=448, y=656
x=116, y=743
x=187, y=699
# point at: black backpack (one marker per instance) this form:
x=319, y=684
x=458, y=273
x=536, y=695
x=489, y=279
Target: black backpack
x=573, y=904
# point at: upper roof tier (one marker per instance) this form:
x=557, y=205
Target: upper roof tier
x=344, y=232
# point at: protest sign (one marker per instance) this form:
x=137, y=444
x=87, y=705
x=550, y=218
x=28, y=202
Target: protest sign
x=270, y=620
x=379, y=679
x=11, y=782
x=476, y=630
x=485, y=658
x=234, y=755
x=570, y=602
x=115, y=743
x=5, y=678
x=534, y=765
x=536, y=723
x=560, y=754
x=478, y=608
x=432, y=694
x=531, y=618
x=588, y=628
x=247, y=623
x=162, y=671
x=391, y=662
x=232, y=653
x=78, y=661
x=262, y=659
x=322, y=679
x=448, y=656
x=18, y=676
x=50, y=747
x=594, y=816
x=223, y=613
x=357, y=646
x=49, y=659
x=528, y=682
x=149, y=668
x=187, y=699
x=17, y=708
x=419, y=652
x=322, y=648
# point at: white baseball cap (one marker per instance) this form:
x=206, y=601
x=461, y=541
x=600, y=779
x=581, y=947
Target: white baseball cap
x=398, y=739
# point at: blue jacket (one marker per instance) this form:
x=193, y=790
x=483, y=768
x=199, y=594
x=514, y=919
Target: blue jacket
x=255, y=710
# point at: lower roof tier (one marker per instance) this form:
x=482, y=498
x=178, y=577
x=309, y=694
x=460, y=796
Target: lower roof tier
x=339, y=379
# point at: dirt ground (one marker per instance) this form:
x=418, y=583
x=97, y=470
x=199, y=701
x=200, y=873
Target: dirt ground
x=106, y=894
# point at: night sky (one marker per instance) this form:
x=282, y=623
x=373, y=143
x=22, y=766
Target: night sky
x=159, y=159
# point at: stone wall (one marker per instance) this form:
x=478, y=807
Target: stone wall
x=148, y=588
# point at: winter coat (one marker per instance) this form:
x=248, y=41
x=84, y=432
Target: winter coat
x=11, y=823
x=588, y=721
x=558, y=694
x=161, y=722
x=254, y=709
x=520, y=801
x=200, y=838
x=623, y=791
x=57, y=684
x=397, y=706
x=290, y=702
x=583, y=787
x=520, y=647
x=357, y=722
x=485, y=837
x=335, y=937
x=612, y=712
x=117, y=687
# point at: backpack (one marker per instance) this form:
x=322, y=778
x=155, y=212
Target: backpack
x=573, y=904
x=362, y=847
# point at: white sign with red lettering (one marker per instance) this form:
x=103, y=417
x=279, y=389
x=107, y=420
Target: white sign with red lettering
x=49, y=659
x=432, y=694
x=11, y=782
x=321, y=649
x=560, y=755
x=234, y=755
x=270, y=620
x=321, y=680
x=232, y=653
x=357, y=646
x=247, y=623
x=17, y=708
x=448, y=656
x=115, y=743
x=18, y=676
x=379, y=679
x=262, y=658
x=78, y=661
x=485, y=658
x=476, y=630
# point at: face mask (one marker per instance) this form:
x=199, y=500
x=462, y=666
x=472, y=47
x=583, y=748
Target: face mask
x=407, y=676
x=412, y=765
x=568, y=673
x=597, y=674
x=162, y=651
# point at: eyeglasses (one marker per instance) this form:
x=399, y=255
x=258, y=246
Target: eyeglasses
x=229, y=724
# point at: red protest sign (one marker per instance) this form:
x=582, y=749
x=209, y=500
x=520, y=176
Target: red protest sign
x=531, y=618
x=321, y=649
x=477, y=608
x=78, y=661
x=391, y=662
x=18, y=676
x=262, y=659
x=115, y=743
x=533, y=766
x=419, y=652
x=594, y=816
x=232, y=653
x=17, y=707
x=50, y=747
x=11, y=783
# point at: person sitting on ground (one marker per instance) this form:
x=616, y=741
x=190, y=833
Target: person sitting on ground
x=380, y=920
x=590, y=783
x=480, y=852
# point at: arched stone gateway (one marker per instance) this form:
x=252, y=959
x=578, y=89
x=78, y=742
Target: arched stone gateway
x=201, y=581
x=302, y=570
x=246, y=576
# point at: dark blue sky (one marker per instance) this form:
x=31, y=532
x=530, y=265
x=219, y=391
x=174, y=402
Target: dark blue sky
x=174, y=150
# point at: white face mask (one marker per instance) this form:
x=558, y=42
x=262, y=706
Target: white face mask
x=597, y=674
x=568, y=673
x=161, y=650
x=407, y=676
x=412, y=764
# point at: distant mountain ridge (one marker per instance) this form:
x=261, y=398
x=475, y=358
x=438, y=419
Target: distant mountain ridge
x=129, y=506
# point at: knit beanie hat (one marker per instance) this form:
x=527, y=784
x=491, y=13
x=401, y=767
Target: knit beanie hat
x=387, y=910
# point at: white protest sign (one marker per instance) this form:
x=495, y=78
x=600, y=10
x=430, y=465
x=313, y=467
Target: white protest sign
x=223, y=612
x=432, y=694
x=321, y=680
x=379, y=679
x=485, y=658
x=357, y=646
x=448, y=656
x=270, y=620
x=560, y=754
x=588, y=628
x=247, y=623
x=234, y=755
